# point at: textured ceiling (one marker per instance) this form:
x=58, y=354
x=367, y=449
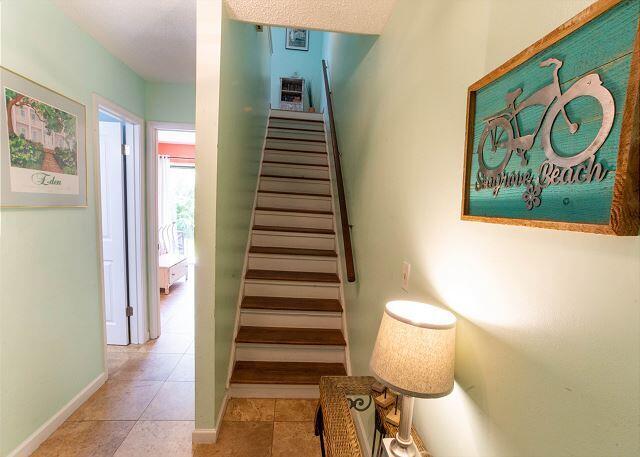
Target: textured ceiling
x=353, y=16
x=156, y=38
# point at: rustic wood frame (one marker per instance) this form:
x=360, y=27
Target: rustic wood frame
x=624, y=218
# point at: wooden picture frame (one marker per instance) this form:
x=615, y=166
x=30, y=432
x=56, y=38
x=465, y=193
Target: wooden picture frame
x=42, y=146
x=624, y=211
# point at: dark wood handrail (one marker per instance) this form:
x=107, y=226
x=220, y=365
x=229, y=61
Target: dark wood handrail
x=344, y=217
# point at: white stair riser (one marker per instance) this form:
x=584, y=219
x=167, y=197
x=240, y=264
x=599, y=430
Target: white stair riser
x=291, y=319
x=293, y=240
x=295, y=171
x=289, y=185
x=289, y=353
x=293, y=220
x=296, y=115
x=291, y=289
x=294, y=202
x=296, y=145
x=299, y=127
x=292, y=263
x=295, y=157
x=283, y=132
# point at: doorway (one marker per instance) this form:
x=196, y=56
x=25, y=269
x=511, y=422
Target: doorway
x=171, y=161
x=121, y=225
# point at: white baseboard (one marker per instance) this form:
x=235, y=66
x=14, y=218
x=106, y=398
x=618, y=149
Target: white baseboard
x=28, y=446
x=204, y=435
x=210, y=435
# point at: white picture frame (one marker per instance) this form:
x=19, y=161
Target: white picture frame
x=296, y=39
x=43, y=153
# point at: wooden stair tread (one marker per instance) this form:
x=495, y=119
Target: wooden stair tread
x=279, y=138
x=303, y=194
x=293, y=119
x=292, y=210
x=293, y=177
x=292, y=251
x=279, y=127
x=290, y=335
x=294, y=150
x=294, y=373
x=296, y=164
x=292, y=304
x=276, y=228
x=302, y=276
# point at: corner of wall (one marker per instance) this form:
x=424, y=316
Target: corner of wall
x=244, y=108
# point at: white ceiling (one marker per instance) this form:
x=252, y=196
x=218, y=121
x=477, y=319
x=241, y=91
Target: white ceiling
x=352, y=16
x=156, y=38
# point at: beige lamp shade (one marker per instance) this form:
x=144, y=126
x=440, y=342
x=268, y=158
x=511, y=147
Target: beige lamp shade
x=415, y=349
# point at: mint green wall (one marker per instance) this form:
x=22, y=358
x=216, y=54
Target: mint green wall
x=548, y=341
x=169, y=102
x=286, y=62
x=50, y=325
x=244, y=104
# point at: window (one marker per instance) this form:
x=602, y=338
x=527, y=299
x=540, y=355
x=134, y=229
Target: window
x=22, y=129
x=33, y=116
x=36, y=135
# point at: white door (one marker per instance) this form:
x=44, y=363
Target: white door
x=113, y=233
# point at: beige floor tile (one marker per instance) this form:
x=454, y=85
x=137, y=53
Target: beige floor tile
x=158, y=439
x=250, y=409
x=185, y=370
x=118, y=400
x=295, y=410
x=85, y=439
x=175, y=401
x=180, y=322
x=115, y=360
x=147, y=367
x=129, y=348
x=296, y=437
x=168, y=343
x=240, y=439
x=166, y=313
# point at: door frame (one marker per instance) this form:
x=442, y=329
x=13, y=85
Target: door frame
x=152, y=217
x=136, y=229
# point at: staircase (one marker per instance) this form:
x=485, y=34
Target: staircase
x=290, y=327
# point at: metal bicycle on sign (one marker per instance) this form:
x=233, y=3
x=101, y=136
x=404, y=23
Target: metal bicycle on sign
x=503, y=130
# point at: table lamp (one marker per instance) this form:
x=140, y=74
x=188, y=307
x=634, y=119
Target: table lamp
x=414, y=356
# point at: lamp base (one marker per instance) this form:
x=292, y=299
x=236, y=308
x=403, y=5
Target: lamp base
x=394, y=449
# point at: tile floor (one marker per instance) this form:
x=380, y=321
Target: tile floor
x=146, y=407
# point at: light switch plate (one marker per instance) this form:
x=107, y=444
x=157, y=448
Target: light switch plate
x=406, y=271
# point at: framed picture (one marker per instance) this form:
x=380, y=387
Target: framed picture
x=297, y=39
x=43, y=147
x=553, y=137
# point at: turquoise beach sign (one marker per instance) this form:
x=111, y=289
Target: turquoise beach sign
x=552, y=135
